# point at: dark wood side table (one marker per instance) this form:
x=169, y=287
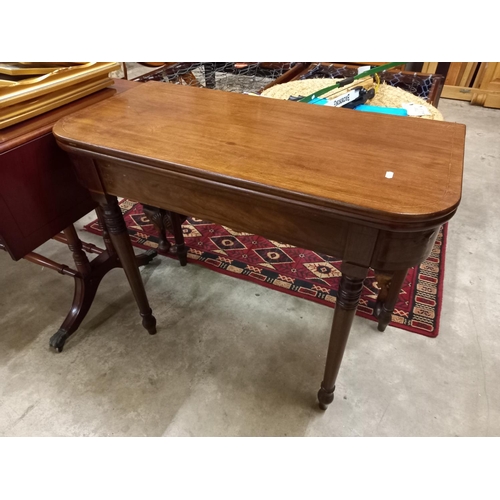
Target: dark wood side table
x=370, y=189
x=40, y=199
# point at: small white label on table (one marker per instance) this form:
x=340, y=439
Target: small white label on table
x=389, y=175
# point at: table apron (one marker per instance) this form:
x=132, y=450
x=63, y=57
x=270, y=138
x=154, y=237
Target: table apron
x=288, y=221
x=238, y=208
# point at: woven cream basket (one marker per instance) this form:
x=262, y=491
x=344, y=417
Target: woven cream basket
x=387, y=95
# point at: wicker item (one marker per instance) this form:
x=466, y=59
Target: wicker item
x=387, y=95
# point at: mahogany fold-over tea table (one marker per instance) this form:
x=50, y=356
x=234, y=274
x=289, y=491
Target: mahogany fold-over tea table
x=370, y=189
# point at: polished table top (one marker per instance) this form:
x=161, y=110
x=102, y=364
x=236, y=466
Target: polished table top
x=370, y=189
x=338, y=158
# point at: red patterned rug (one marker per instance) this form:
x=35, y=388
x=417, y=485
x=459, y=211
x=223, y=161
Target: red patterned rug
x=310, y=275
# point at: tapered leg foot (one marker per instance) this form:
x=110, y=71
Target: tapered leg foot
x=325, y=397
x=347, y=302
x=384, y=320
x=149, y=322
x=182, y=256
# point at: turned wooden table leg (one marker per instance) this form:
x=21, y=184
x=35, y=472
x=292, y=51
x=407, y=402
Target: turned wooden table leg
x=161, y=220
x=105, y=234
x=113, y=220
x=390, y=288
x=142, y=259
x=79, y=256
x=345, y=309
x=177, y=221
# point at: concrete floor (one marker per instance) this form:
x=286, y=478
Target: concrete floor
x=232, y=358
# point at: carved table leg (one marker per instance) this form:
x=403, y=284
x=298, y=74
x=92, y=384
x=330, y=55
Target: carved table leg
x=142, y=259
x=161, y=220
x=345, y=309
x=165, y=220
x=383, y=281
x=177, y=221
x=115, y=224
x=390, y=288
x=79, y=256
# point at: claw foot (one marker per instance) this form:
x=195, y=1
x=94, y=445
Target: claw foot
x=58, y=340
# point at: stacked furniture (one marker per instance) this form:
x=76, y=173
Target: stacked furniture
x=31, y=89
